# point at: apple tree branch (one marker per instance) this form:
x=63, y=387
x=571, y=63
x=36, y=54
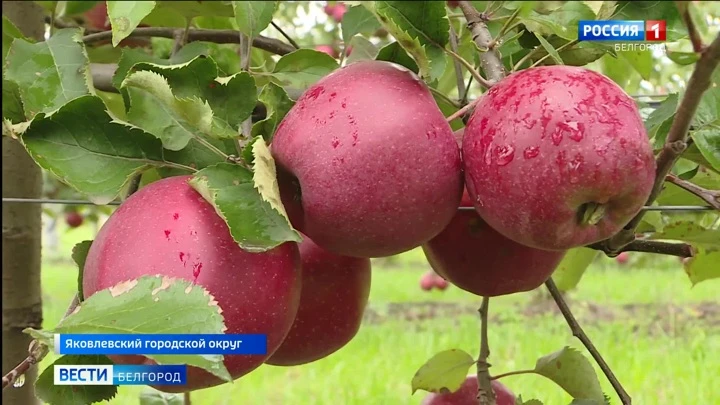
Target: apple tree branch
x=711, y=197
x=676, y=141
x=578, y=332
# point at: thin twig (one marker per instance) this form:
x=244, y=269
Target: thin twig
x=484, y=82
x=245, y=130
x=285, y=35
x=509, y=373
x=695, y=39
x=676, y=140
x=486, y=395
x=504, y=28
x=490, y=59
x=711, y=197
x=578, y=332
x=527, y=57
x=36, y=353
x=441, y=95
x=186, y=398
x=537, y=62
x=649, y=246
x=463, y=111
x=456, y=63
x=180, y=38
x=217, y=36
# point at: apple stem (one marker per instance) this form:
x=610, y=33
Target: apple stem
x=591, y=213
x=578, y=332
x=186, y=399
x=459, y=113
x=486, y=395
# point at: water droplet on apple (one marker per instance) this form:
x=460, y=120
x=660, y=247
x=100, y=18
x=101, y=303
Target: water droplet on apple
x=557, y=136
x=531, y=152
x=505, y=154
x=335, y=142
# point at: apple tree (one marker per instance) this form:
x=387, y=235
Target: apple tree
x=259, y=160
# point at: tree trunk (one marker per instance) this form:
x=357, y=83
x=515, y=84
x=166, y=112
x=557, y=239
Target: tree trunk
x=21, y=234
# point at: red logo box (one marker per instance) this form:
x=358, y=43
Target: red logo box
x=655, y=30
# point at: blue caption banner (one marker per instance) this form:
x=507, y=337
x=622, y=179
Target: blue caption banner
x=611, y=30
x=161, y=344
x=93, y=374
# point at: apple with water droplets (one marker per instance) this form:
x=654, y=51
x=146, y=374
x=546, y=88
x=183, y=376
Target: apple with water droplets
x=476, y=258
x=367, y=165
x=169, y=229
x=467, y=394
x=557, y=157
x=335, y=292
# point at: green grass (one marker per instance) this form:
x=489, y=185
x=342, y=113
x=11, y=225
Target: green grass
x=649, y=324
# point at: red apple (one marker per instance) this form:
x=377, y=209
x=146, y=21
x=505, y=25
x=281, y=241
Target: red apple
x=440, y=283
x=348, y=51
x=367, y=164
x=335, y=291
x=427, y=281
x=557, y=157
x=167, y=228
x=327, y=49
x=459, y=136
x=623, y=257
x=467, y=394
x=453, y=4
x=73, y=219
x=338, y=12
x=476, y=258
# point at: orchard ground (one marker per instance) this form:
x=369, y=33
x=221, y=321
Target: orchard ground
x=656, y=331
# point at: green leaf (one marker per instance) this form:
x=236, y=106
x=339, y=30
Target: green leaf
x=130, y=57
x=50, y=393
x=9, y=33
x=665, y=111
x=568, y=273
x=253, y=17
x=12, y=108
x=584, y=52
x=304, y=67
x=674, y=195
x=422, y=28
x=396, y=54
x=125, y=16
x=691, y=232
x=248, y=202
x=682, y=58
x=445, y=371
x=549, y=48
x=277, y=103
x=562, y=22
x=606, y=10
x=192, y=9
x=114, y=310
x=154, y=109
x=641, y=61
x=358, y=20
x=709, y=108
x=81, y=139
x=362, y=49
x=707, y=141
x=530, y=402
x=79, y=254
x=704, y=265
x=587, y=402
x=50, y=73
x=151, y=396
x=569, y=369
x=232, y=99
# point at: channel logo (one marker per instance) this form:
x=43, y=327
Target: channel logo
x=622, y=30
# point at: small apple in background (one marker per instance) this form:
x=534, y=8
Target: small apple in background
x=97, y=19
x=622, y=258
x=74, y=219
x=336, y=11
x=328, y=49
x=467, y=394
x=427, y=281
x=453, y=4
x=334, y=294
x=440, y=283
